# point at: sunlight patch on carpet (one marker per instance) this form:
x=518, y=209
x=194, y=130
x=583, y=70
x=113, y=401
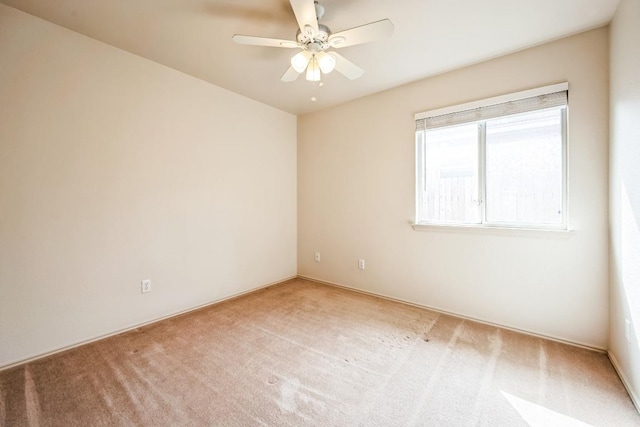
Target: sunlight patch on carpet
x=537, y=415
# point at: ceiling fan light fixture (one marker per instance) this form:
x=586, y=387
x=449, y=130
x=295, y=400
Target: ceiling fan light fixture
x=314, y=39
x=313, y=71
x=300, y=61
x=326, y=62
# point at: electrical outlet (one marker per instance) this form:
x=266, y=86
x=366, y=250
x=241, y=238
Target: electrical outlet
x=627, y=330
x=146, y=286
x=317, y=257
x=361, y=264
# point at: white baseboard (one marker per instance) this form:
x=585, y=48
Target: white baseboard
x=625, y=381
x=461, y=316
x=138, y=325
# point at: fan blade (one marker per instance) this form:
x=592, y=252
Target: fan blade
x=290, y=75
x=305, y=11
x=363, y=34
x=346, y=67
x=264, y=41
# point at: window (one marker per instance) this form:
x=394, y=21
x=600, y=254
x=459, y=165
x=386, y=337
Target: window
x=499, y=164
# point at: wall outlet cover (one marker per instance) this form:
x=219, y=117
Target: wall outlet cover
x=146, y=286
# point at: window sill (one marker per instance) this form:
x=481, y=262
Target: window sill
x=485, y=229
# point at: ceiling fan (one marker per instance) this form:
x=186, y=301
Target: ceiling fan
x=315, y=39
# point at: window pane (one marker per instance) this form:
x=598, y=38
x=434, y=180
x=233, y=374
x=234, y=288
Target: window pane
x=451, y=175
x=524, y=168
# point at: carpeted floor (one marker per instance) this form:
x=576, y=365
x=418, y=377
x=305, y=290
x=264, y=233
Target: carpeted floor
x=302, y=353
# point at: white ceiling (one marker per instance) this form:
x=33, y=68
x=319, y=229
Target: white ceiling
x=431, y=36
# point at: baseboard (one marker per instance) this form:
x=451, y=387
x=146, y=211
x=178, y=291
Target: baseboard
x=139, y=325
x=237, y=295
x=458, y=315
x=625, y=381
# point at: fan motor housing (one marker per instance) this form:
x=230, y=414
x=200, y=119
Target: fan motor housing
x=321, y=37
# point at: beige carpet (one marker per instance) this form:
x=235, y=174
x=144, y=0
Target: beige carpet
x=302, y=353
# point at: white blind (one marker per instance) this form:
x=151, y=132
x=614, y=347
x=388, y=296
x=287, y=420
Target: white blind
x=539, y=102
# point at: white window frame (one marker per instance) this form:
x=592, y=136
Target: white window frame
x=484, y=224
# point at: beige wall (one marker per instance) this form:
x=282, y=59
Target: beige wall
x=356, y=199
x=114, y=169
x=625, y=193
